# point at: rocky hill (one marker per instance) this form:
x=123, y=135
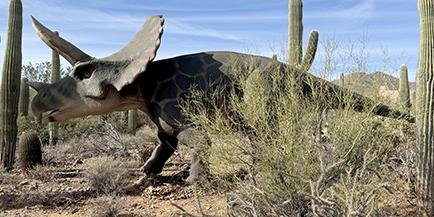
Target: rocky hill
x=375, y=84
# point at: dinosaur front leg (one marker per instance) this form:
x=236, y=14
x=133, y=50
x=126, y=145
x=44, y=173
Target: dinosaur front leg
x=162, y=153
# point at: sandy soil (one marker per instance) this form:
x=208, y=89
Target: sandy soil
x=62, y=189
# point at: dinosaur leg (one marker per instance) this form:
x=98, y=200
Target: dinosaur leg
x=155, y=164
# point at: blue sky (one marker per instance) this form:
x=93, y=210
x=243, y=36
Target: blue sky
x=101, y=27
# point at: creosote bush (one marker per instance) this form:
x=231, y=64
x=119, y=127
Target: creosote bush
x=106, y=175
x=301, y=157
x=107, y=206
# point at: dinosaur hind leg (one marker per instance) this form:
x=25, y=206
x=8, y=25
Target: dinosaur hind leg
x=162, y=153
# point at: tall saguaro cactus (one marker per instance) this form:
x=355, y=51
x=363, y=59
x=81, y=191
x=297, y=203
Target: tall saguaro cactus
x=55, y=76
x=10, y=85
x=424, y=105
x=295, y=38
x=295, y=31
x=404, y=89
x=24, y=98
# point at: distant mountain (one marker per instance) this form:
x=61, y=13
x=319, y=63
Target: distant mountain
x=370, y=84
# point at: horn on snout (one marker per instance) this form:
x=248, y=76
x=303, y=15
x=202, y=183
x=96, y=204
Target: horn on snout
x=70, y=52
x=37, y=85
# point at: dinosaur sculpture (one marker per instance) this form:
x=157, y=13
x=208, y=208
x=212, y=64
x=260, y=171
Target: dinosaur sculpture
x=129, y=79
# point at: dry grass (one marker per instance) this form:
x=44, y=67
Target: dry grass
x=107, y=207
x=106, y=175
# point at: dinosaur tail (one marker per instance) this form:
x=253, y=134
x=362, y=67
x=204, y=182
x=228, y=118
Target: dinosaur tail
x=338, y=97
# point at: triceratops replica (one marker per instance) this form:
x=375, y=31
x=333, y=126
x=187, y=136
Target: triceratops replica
x=129, y=79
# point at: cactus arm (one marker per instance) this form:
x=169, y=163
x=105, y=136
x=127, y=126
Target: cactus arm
x=312, y=47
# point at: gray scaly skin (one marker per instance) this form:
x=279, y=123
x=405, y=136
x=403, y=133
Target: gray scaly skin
x=97, y=86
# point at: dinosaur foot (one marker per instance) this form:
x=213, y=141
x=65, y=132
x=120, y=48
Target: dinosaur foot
x=138, y=186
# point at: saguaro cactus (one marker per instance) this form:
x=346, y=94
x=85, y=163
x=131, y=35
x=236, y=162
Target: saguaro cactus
x=342, y=80
x=55, y=76
x=295, y=31
x=24, y=98
x=132, y=121
x=404, y=89
x=29, y=150
x=295, y=38
x=10, y=85
x=424, y=105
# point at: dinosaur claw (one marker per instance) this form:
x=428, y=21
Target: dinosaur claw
x=138, y=186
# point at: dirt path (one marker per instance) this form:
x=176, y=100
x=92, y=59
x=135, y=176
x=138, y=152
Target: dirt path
x=62, y=190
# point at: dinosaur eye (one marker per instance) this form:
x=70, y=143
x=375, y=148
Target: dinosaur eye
x=83, y=74
x=87, y=74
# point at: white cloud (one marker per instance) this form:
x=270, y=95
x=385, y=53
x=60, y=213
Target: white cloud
x=362, y=10
x=182, y=28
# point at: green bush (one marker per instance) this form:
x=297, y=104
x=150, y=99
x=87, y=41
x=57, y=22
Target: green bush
x=301, y=157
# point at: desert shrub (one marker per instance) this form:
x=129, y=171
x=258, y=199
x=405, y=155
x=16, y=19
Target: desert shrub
x=40, y=172
x=107, y=207
x=106, y=175
x=302, y=158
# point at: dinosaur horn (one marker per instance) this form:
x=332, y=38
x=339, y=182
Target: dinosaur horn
x=70, y=52
x=37, y=85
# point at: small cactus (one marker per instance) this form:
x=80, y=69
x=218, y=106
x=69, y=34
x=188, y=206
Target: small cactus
x=342, y=80
x=404, y=90
x=29, y=150
x=55, y=76
x=10, y=84
x=24, y=98
x=132, y=121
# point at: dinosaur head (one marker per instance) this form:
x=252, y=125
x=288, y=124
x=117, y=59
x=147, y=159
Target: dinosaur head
x=94, y=85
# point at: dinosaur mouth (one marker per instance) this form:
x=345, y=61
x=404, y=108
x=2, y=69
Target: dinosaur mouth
x=47, y=116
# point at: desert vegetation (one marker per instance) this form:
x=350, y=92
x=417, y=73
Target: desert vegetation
x=290, y=145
